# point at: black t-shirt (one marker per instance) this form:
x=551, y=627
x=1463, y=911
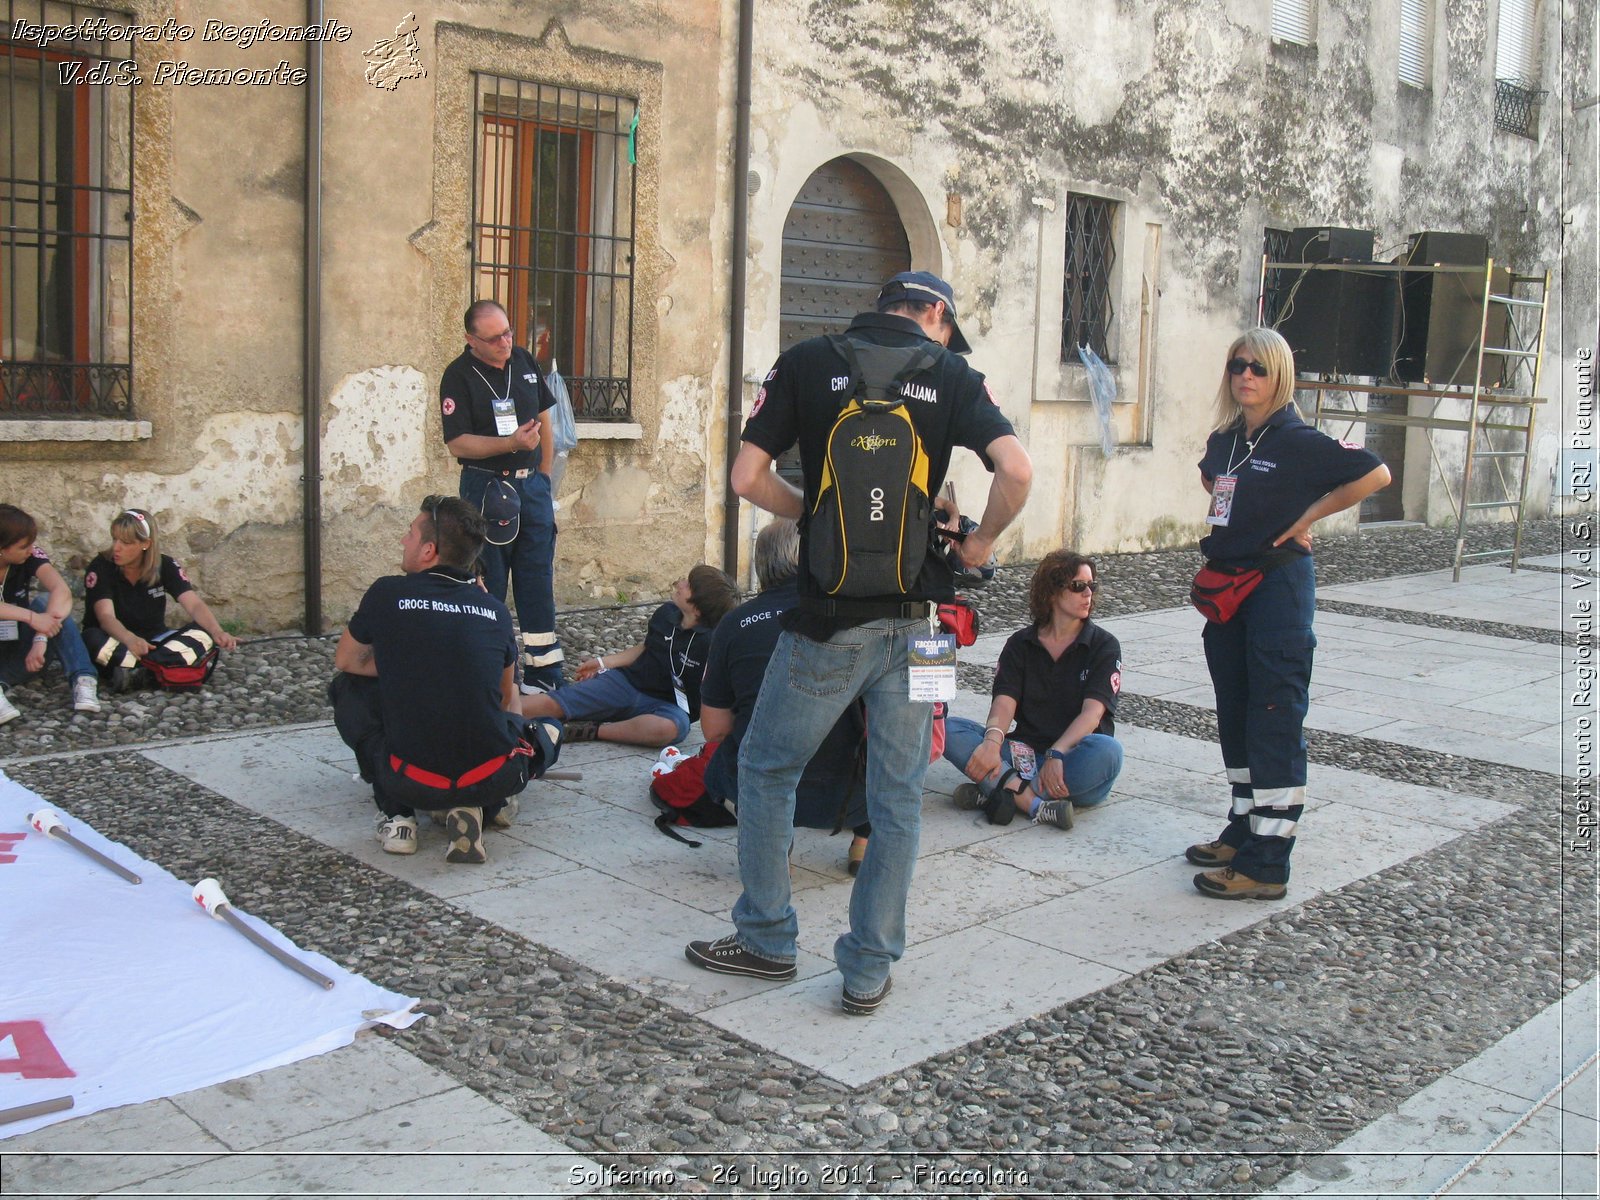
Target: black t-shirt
x=441, y=644
x=141, y=609
x=471, y=393
x=1050, y=691
x=1290, y=468
x=799, y=403
x=19, y=579
x=672, y=657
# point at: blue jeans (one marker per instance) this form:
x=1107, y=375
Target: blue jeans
x=1091, y=768
x=65, y=648
x=1260, y=665
x=807, y=687
x=528, y=563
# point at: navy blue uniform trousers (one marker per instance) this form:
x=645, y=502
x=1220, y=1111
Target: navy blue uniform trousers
x=1260, y=666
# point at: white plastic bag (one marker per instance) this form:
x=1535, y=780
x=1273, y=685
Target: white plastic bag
x=1103, y=389
x=566, y=426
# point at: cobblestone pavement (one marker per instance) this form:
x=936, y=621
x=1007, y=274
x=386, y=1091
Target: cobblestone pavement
x=1215, y=1072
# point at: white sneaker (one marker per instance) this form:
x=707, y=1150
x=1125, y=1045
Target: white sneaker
x=85, y=694
x=398, y=835
x=8, y=710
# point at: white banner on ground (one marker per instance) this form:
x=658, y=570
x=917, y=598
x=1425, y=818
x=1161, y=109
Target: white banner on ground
x=114, y=993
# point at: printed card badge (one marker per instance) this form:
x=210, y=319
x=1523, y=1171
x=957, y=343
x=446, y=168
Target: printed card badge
x=1221, y=499
x=932, y=660
x=505, y=416
x=8, y=631
x=1023, y=759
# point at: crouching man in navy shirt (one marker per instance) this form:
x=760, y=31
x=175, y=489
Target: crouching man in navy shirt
x=428, y=696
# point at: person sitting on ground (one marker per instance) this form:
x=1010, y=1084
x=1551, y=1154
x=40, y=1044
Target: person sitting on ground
x=648, y=694
x=427, y=694
x=828, y=795
x=1058, y=681
x=125, y=601
x=32, y=630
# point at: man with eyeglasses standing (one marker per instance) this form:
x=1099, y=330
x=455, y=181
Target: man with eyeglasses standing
x=427, y=695
x=496, y=413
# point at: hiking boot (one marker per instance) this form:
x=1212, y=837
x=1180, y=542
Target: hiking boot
x=1000, y=806
x=580, y=731
x=464, y=828
x=1210, y=854
x=502, y=820
x=85, y=694
x=968, y=797
x=1228, y=884
x=865, y=1006
x=398, y=835
x=726, y=957
x=8, y=710
x=1054, y=812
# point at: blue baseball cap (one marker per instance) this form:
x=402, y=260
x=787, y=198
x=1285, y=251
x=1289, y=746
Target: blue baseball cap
x=926, y=287
x=502, y=512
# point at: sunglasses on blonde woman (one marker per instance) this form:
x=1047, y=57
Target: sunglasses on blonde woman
x=1238, y=366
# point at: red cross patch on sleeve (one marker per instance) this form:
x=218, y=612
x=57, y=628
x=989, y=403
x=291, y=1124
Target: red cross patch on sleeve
x=447, y=406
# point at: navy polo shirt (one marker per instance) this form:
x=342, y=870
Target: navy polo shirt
x=1050, y=691
x=441, y=644
x=19, y=579
x=1290, y=468
x=141, y=608
x=467, y=394
x=802, y=396
x=673, y=656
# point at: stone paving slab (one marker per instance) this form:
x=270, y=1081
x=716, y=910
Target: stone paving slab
x=1434, y=1134
x=368, y=1116
x=585, y=872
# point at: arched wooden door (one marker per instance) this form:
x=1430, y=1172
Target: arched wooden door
x=842, y=239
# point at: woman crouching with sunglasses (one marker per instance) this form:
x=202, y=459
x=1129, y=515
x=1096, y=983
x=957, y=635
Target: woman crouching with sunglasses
x=1271, y=477
x=1046, y=745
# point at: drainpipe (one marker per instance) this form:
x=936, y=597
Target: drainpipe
x=736, y=298
x=311, y=337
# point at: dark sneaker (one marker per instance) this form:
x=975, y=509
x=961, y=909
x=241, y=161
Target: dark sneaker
x=726, y=957
x=579, y=731
x=1000, y=806
x=1210, y=854
x=1054, y=812
x=1228, y=884
x=865, y=1006
x=464, y=828
x=968, y=797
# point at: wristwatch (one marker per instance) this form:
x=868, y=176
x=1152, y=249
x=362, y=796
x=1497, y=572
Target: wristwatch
x=1059, y=755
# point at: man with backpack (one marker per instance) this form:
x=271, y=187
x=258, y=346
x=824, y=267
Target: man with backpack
x=876, y=413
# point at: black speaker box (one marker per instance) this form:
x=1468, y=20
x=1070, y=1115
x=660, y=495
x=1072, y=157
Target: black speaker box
x=1437, y=342
x=1455, y=249
x=1324, y=243
x=1340, y=322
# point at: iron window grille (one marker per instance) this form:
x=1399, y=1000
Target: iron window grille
x=553, y=227
x=1516, y=107
x=1086, y=309
x=66, y=213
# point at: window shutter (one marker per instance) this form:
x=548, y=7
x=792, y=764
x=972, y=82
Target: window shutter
x=1414, y=41
x=1514, y=47
x=1293, y=21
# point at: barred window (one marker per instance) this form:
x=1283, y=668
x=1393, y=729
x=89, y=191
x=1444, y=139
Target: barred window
x=1086, y=309
x=1294, y=21
x=1516, y=69
x=552, y=236
x=66, y=214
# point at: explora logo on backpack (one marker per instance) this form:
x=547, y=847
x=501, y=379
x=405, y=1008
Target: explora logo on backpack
x=868, y=531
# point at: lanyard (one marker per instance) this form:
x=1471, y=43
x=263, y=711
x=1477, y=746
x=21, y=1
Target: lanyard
x=499, y=400
x=1249, y=449
x=676, y=670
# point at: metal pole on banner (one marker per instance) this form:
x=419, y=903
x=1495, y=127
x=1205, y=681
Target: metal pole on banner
x=49, y=824
x=208, y=894
x=39, y=1108
x=567, y=776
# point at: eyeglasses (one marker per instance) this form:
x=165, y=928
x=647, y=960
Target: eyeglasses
x=1238, y=366
x=505, y=335
x=1083, y=585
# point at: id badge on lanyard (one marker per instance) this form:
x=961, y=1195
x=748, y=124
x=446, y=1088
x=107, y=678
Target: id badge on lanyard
x=932, y=666
x=505, y=415
x=1221, y=499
